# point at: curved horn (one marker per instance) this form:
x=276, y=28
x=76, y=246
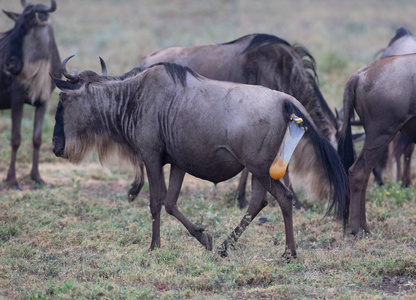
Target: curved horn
x=72, y=78
x=53, y=6
x=103, y=67
x=44, y=8
x=23, y=2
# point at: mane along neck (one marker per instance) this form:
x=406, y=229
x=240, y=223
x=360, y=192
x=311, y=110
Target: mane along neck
x=113, y=105
x=312, y=99
x=304, y=87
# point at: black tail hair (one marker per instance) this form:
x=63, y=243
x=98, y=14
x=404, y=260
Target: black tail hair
x=332, y=165
x=345, y=145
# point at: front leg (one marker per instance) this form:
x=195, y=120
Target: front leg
x=157, y=189
x=17, y=112
x=37, y=142
x=175, y=184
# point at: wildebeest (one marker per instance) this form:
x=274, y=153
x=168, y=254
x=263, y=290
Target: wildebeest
x=267, y=60
x=28, y=54
x=403, y=42
x=167, y=114
x=383, y=94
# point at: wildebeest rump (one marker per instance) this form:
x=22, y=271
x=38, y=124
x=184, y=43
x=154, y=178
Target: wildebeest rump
x=168, y=114
x=28, y=54
x=266, y=60
x=383, y=94
x=403, y=42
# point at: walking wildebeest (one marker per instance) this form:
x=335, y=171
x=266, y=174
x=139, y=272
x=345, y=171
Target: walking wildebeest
x=168, y=114
x=266, y=60
x=28, y=54
x=383, y=94
x=403, y=42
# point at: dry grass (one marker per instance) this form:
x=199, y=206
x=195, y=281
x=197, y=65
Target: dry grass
x=78, y=237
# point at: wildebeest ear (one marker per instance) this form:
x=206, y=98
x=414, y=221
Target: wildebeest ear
x=12, y=15
x=63, y=84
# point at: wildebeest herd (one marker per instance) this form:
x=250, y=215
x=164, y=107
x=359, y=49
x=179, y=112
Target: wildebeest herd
x=214, y=111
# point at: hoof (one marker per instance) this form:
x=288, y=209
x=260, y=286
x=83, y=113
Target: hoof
x=39, y=185
x=261, y=221
x=207, y=241
x=242, y=203
x=131, y=197
x=289, y=254
x=359, y=233
x=133, y=192
x=14, y=187
x=222, y=250
x=297, y=205
x=37, y=180
x=12, y=184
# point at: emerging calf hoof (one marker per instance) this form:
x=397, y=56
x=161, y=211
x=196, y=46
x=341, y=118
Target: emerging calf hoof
x=207, y=241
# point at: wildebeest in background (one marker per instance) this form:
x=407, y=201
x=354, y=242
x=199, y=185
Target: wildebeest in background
x=168, y=114
x=383, y=94
x=266, y=60
x=28, y=54
x=403, y=42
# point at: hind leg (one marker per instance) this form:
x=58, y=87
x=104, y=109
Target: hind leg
x=406, y=179
x=359, y=174
x=380, y=167
x=284, y=197
x=241, y=189
x=256, y=204
x=296, y=203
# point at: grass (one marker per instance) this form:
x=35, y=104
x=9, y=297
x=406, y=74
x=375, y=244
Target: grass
x=74, y=241
x=78, y=237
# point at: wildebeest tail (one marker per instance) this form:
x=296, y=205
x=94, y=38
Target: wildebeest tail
x=345, y=145
x=331, y=163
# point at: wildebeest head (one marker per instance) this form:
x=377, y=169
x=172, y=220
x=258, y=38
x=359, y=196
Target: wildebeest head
x=72, y=92
x=33, y=20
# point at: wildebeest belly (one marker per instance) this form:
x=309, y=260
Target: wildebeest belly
x=216, y=166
